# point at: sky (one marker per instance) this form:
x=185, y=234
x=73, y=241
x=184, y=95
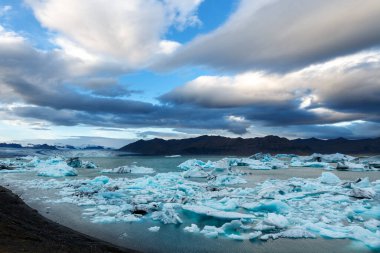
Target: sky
x=110, y=72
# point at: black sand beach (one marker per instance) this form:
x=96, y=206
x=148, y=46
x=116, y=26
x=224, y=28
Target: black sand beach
x=23, y=229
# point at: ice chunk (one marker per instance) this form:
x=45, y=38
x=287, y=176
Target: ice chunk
x=190, y=164
x=226, y=180
x=263, y=227
x=154, y=229
x=363, y=193
x=329, y=178
x=277, y=220
x=192, y=229
x=275, y=206
x=56, y=170
x=369, y=238
x=211, y=231
x=294, y=233
x=134, y=169
x=104, y=219
x=248, y=236
x=89, y=165
x=352, y=166
x=372, y=225
x=195, y=173
x=225, y=204
x=208, y=211
x=74, y=162
x=167, y=215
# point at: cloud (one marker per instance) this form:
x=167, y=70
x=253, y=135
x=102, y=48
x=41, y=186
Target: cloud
x=283, y=35
x=5, y=9
x=344, y=89
x=78, y=83
x=122, y=33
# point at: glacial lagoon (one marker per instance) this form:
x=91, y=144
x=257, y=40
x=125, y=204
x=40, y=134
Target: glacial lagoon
x=226, y=205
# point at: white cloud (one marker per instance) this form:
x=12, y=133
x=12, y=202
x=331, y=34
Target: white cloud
x=127, y=33
x=5, y=9
x=284, y=35
x=343, y=88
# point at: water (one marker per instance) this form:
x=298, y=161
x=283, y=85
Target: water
x=171, y=238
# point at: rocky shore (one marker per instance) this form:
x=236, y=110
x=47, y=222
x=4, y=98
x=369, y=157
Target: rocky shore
x=23, y=229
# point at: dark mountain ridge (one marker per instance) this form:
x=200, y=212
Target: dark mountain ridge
x=218, y=145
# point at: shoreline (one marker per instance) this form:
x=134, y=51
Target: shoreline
x=23, y=229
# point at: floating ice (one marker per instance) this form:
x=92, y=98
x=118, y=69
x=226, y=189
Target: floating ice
x=55, y=168
x=351, y=166
x=211, y=231
x=275, y=206
x=372, y=224
x=154, y=229
x=294, y=233
x=363, y=193
x=89, y=165
x=208, y=211
x=190, y=164
x=134, y=169
x=226, y=180
x=325, y=206
x=167, y=215
x=329, y=178
x=192, y=229
x=276, y=220
x=195, y=173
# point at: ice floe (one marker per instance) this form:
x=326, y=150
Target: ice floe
x=325, y=206
x=134, y=169
x=154, y=229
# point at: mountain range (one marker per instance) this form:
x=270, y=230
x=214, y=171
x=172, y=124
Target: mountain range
x=218, y=145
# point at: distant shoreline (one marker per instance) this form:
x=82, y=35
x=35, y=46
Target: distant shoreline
x=23, y=229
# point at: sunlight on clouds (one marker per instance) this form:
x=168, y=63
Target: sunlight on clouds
x=128, y=34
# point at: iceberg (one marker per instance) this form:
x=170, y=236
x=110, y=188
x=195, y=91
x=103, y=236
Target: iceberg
x=276, y=220
x=208, y=211
x=352, y=166
x=329, y=178
x=134, y=169
x=192, y=229
x=363, y=193
x=190, y=164
x=221, y=180
x=167, y=215
x=324, y=206
x=154, y=229
x=275, y=206
x=56, y=170
x=211, y=231
x=293, y=233
x=195, y=173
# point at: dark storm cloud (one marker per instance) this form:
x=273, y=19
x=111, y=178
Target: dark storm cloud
x=284, y=35
x=63, y=98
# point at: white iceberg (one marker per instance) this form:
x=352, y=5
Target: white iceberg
x=193, y=228
x=154, y=229
x=134, y=169
x=195, y=173
x=293, y=233
x=276, y=220
x=208, y=211
x=329, y=178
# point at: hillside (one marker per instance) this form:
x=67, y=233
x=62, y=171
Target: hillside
x=218, y=145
